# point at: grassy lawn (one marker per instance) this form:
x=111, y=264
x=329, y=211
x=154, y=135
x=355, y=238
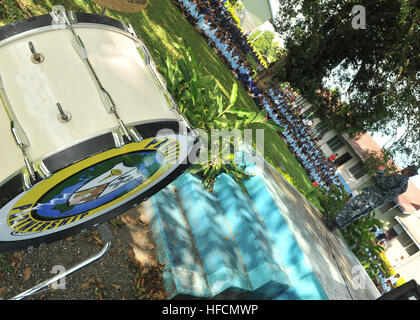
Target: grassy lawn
x=161, y=25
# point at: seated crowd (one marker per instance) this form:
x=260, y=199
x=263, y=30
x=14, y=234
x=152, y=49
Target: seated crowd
x=219, y=29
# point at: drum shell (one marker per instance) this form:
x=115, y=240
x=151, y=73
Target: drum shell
x=35, y=89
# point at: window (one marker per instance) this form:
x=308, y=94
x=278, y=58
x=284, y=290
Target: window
x=335, y=143
x=309, y=114
x=412, y=249
x=357, y=171
x=342, y=159
x=398, y=229
x=321, y=129
x=386, y=207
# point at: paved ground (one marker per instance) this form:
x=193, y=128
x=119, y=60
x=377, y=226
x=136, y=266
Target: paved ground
x=129, y=270
x=337, y=268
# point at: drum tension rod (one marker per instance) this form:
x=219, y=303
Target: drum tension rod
x=19, y=135
x=36, y=57
x=60, y=14
x=63, y=116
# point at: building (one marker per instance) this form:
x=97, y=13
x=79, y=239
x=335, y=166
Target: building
x=401, y=218
x=255, y=13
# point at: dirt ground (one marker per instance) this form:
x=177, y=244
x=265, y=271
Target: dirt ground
x=128, y=271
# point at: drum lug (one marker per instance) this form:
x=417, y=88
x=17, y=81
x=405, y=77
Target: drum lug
x=43, y=171
x=26, y=180
x=135, y=134
x=118, y=138
x=59, y=15
x=63, y=116
x=36, y=57
x=130, y=30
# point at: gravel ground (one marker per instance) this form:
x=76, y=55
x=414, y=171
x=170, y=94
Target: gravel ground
x=128, y=271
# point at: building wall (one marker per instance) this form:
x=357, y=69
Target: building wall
x=343, y=170
x=410, y=269
x=401, y=245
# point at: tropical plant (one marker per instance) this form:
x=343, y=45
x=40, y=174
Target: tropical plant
x=201, y=101
x=332, y=200
x=266, y=45
x=236, y=4
x=363, y=243
x=374, y=159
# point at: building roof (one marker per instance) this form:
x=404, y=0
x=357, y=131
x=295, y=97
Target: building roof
x=411, y=225
x=408, y=201
x=362, y=144
x=260, y=11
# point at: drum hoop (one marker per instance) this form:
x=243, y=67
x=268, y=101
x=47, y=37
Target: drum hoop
x=46, y=20
x=103, y=133
x=76, y=25
x=13, y=185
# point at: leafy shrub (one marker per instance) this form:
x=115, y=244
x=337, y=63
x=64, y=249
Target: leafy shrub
x=333, y=200
x=374, y=159
x=203, y=104
x=364, y=244
x=231, y=9
x=357, y=235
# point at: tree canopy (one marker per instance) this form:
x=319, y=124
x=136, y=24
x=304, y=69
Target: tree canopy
x=265, y=44
x=358, y=79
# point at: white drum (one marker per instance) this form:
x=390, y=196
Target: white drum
x=87, y=128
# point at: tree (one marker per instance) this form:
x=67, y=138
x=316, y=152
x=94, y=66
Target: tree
x=372, y=160
x=375, y=70
x=265, y=44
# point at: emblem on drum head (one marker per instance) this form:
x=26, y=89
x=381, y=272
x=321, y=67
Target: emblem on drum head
x=93, y=186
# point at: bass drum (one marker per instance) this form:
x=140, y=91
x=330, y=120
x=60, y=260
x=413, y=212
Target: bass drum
x=87, y=127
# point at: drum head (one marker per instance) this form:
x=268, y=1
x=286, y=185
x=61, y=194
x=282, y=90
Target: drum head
x=92, y=191
x=124, y=5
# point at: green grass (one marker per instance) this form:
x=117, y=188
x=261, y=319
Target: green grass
x=160, y=26
x=4, y=266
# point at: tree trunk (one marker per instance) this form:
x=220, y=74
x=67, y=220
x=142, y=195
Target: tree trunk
x=270, y=75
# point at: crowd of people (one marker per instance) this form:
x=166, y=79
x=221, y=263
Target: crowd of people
x=208, y=13
x=299, y=138
x=221, y=32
